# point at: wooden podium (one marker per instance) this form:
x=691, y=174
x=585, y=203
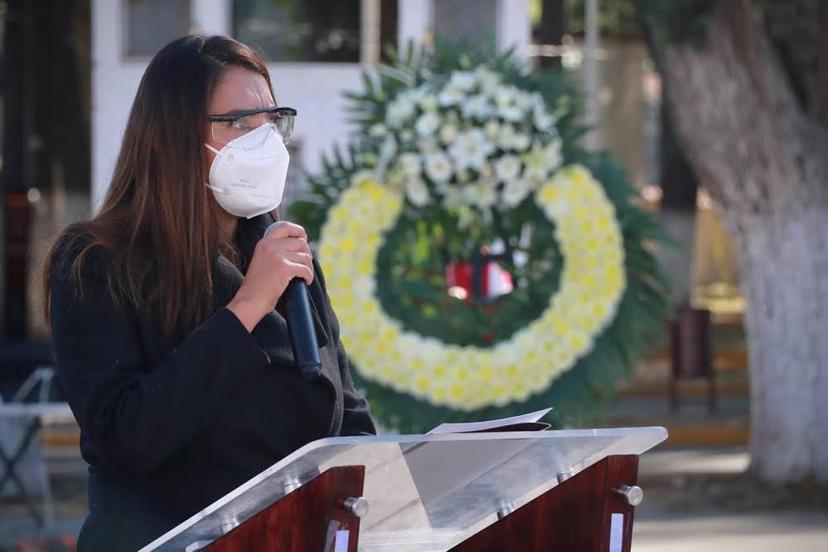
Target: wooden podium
x=552, y=490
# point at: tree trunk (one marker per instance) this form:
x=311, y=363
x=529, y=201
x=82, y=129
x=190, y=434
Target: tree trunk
x=765, y=161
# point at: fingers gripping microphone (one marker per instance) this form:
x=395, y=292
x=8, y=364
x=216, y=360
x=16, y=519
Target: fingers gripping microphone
x=300, y=325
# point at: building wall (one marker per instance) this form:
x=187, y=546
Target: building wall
x=314, y=89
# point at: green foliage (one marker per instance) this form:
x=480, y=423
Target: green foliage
x=411, y=264
x=669, y=19
x=616, y=18
x=676, y=20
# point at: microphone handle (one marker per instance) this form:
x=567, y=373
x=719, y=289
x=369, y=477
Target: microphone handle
x=301, y=328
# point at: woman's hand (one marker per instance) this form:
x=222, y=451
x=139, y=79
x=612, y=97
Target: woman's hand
x=283, y=254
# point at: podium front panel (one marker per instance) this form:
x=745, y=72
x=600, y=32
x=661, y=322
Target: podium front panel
x=425, y=492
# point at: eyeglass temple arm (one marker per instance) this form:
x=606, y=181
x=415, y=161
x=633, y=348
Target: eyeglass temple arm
x=227, y=117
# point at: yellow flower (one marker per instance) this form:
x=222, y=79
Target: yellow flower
x=591, y=285
x=347, y=244
x=456, y=391
x=548, y=194
x=338, y=214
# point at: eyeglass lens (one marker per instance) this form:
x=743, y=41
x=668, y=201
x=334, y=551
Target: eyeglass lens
x=227, y=131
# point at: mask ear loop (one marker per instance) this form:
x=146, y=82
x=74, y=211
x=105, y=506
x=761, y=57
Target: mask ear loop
x=207, y=184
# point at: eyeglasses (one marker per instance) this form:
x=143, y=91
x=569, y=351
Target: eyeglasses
x=228, y=127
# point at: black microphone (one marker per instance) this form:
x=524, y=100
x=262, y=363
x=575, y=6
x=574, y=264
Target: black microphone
x=300, y=326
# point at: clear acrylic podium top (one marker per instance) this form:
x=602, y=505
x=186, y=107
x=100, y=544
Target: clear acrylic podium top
x=425, y=492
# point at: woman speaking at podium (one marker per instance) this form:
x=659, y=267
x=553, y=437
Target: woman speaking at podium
x=165, y=308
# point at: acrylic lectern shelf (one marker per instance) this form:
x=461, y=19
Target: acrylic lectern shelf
x=426, y=492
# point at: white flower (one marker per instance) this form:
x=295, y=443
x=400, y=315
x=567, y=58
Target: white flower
x=427, y=123
x=364, y=286
x=506, y=136
x=481, y=194
x=515, y=190
x=465, y=217
x=438, y=167
x=509, y=138
x=524, y=100
x=536, y=163
x=521, y=141
x=395, y=179
x=400, y=110
x=429, y=145
x=369, y=159
x=417, y=192
x=470, y=149
x=486, y=170
x=511, y=113
x=507, y=168
x=476, y=106
x=416, y=95
x=492, y=128
x=464, y=80
x=429, y=102
x=410, y=164
x=387, y=150
x=448, y=133
x=553, y=154
x=504, y=96
x=451, y=95
x=362, y=176
x=452, y=197
x=537, y=101
x=489, y=80
x=377, y=130
x=542, y=120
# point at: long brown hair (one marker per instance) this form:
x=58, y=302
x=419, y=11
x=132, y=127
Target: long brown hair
x=158, y=224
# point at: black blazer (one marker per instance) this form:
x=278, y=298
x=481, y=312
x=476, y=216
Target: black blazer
x=171, y=424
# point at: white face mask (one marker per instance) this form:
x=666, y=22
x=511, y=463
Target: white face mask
x=248, y=174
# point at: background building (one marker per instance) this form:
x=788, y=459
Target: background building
x=73, y=68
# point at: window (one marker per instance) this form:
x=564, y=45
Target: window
x=469, y=21
x=300, y=30
x=151, y=24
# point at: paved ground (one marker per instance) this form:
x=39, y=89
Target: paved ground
x=755, y=532
x=700, y=500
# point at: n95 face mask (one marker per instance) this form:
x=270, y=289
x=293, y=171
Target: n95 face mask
x=248, y=174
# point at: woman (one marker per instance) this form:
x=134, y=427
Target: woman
x=170, y=337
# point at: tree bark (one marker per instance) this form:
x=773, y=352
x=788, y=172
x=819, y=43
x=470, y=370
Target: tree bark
x=764, y=159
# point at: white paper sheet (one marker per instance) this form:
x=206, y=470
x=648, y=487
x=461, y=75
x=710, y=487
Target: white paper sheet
x=490, y=424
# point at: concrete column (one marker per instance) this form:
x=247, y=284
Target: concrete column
x=107, y=49
x=414, y=22
x=370, y=32
x=514, y=29
x=212, y=17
